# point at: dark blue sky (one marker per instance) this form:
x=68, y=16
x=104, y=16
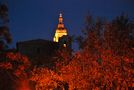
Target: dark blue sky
x=33, y=19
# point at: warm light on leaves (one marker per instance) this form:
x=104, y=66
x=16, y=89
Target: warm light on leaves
x=46, y=79
x=16, y=65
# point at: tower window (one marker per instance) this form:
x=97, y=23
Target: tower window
x=64, y=45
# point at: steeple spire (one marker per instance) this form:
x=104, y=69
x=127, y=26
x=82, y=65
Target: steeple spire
x=61, y=30
x=60, y=14
x=60, y=18
x=60, y=24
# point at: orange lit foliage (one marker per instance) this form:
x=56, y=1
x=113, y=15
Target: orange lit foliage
x=87, y=72
x=45, y=79
x=16, y=62
x=16, y=65
x=104, y=62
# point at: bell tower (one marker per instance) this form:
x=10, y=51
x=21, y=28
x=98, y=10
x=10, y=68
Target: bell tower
x=61, y=30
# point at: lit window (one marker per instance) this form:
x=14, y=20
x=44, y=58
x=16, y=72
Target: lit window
x=64, y=45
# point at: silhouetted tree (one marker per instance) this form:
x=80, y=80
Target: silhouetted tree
x=14, y=67
x=117, y=35
x=5, y=36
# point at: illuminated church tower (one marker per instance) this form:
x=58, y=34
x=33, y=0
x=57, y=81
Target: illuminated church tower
x=60, y=31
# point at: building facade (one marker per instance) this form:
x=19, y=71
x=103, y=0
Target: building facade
x=43, y=52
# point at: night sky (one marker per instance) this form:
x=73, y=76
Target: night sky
x=37, y=19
